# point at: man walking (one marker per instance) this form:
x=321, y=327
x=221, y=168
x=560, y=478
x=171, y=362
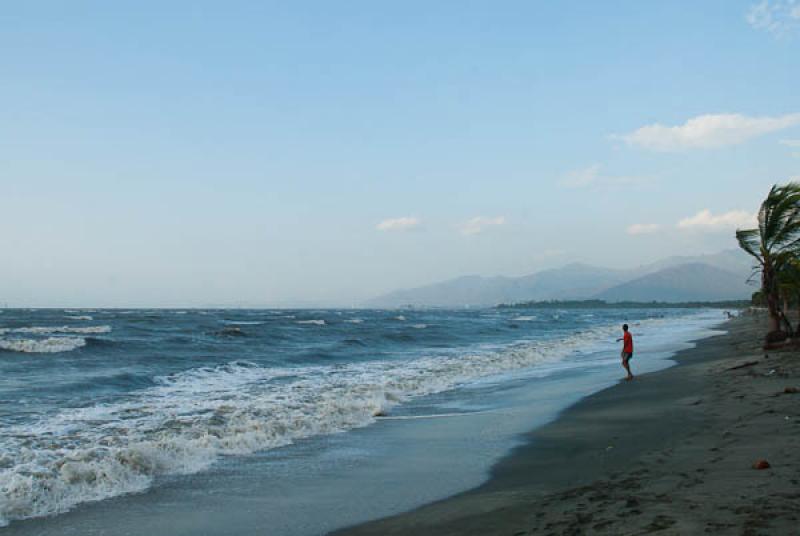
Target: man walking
x=627, y=349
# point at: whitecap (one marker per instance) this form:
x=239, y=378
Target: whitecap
x=314, y=322
x=42, y=346
x=354, y=320
x=49, y=330
x=79, y=317
x=188, y=420
x=529, y=318
x=419, y=326
x=400, y=317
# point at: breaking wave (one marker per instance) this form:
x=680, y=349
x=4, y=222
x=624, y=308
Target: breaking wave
x=46, y=343
x=49, y=330
x=42, y=346
x=188, y=420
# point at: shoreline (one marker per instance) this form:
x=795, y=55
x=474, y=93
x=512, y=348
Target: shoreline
x=662, y=453
x=385, y=469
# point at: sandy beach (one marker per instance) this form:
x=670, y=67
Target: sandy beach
x=680, y=451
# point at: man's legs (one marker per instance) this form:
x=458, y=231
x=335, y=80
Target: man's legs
x=625, y=359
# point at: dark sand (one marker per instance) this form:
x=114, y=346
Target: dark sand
x=671, y=452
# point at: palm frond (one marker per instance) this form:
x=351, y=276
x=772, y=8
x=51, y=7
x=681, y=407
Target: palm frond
x=779, y=217
x=788, y=228
x=750, y=241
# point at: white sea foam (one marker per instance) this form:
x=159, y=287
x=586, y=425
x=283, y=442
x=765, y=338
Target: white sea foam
x=355, y=320
x=50, y=330
x=400, y=318
x=314, y=322
x=79, y=317
x=529, y=318
x=419, y=326
x=42, y=346
x=190, y=419
x=242, y=322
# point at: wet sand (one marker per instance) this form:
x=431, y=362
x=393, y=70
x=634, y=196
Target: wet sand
x=672, y=452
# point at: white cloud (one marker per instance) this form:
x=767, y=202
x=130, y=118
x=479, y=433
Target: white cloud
x=643, y=228
x=398, y=224
x=477, y=224
x=778, y=17
x=705, y=220
x=708, y=131
x=591, y=176
x=579, y=178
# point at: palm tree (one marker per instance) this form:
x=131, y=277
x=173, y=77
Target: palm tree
x=774, y=244
x=789, y=287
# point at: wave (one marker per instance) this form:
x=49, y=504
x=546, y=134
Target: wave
x=529, y=318
x=355, y=320
x=243, y=322
x=79, y=317
x=47, y=330
x=188, y=420
x=419, y=326
x=399, y=337
x=42, y=346
x=314, y=322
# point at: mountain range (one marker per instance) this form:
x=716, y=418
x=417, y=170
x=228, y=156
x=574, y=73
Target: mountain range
x=720, y=276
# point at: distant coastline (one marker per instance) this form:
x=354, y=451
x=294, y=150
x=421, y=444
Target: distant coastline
x=602, y=304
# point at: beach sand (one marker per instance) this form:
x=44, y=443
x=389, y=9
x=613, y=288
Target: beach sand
x=672, y=452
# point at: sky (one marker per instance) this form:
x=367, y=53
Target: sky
x=321, y=153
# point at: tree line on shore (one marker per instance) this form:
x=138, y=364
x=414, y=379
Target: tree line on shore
x=602, y=304
x=775, y=245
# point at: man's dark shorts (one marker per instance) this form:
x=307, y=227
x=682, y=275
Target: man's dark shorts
x=626, y=356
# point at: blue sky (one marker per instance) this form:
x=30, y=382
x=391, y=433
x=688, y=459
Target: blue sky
x=257, y=153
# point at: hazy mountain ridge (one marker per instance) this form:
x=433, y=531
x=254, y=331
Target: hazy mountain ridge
x=685, y=282
x=706, y=277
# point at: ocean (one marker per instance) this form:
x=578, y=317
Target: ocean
x=286, y=421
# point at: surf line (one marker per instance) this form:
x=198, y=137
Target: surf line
x=433, y=416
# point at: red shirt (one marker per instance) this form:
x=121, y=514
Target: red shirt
x=627, y=345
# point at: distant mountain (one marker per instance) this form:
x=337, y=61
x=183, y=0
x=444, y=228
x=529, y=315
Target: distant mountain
x=731, y=260
x=685, y=282
x=569, y=282
x=583, y=281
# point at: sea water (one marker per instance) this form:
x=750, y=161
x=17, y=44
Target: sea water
x=285, y=421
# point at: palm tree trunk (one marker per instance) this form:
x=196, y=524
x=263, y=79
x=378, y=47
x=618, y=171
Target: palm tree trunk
x=771, y=293
x=784, y=316
x=797, y=301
